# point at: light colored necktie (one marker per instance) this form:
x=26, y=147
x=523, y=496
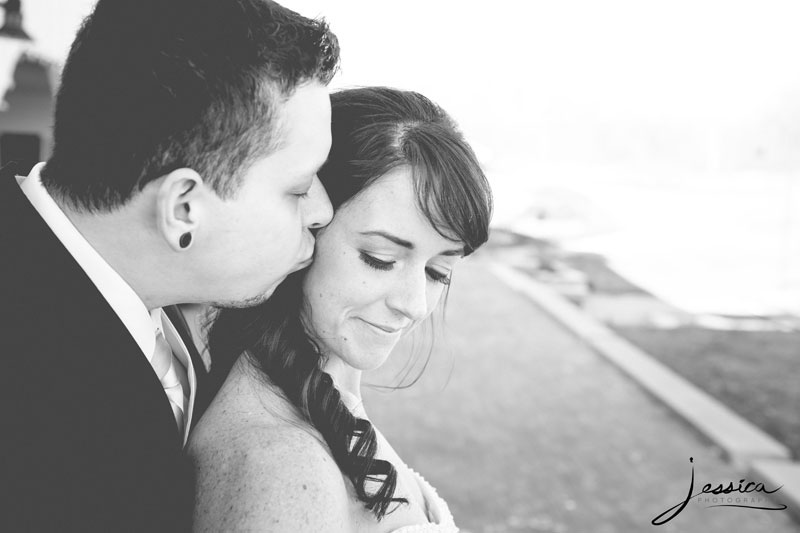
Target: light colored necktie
x=171, y=374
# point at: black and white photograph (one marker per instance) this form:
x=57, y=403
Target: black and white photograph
x=351, y=266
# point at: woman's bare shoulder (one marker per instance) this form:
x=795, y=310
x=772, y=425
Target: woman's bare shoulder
x=267, y=477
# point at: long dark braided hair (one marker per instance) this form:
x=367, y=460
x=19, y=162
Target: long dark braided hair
x=375, y=130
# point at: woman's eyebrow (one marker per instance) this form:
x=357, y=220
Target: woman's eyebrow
x=389, y=237
x=408, y=244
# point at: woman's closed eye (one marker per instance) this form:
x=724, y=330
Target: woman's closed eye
x=438, y=277
x=380, y=264
x=376, y=263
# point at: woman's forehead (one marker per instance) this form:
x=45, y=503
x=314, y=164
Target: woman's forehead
x=389, y=205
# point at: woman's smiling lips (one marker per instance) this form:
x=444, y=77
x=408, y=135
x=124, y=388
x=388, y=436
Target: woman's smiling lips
x=385, y=329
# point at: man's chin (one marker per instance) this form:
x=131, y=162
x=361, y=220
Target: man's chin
x=247, y=302
x=304, y=264
x=265, y=295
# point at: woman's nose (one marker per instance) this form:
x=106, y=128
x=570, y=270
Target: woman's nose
x=410, y=297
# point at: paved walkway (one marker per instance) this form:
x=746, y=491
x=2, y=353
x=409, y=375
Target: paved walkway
x=522, y=428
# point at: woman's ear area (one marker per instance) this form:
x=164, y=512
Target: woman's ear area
x=180, y=199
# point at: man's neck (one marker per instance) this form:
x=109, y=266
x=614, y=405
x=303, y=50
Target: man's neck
x=125, y=243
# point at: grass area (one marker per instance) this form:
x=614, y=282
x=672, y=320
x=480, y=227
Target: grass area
x=602, y=278
x=753, y=373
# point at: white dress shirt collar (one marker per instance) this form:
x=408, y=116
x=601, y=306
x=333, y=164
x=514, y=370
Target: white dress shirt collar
x=120, y=296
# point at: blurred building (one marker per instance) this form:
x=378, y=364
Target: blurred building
x=28, y=78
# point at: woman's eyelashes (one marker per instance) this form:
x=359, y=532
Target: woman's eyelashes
x=375, y=263
x=438, y=277
x=379, y=264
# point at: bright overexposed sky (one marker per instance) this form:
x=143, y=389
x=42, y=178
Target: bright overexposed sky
x=609, y=100
x=656, y=58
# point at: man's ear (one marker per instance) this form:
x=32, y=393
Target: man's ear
x=179, y=207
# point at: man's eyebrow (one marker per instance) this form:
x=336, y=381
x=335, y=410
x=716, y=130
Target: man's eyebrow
x=313, y=171
x=407, y=244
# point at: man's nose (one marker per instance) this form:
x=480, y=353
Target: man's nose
x=319, y=211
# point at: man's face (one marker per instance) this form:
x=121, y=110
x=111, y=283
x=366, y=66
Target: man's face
x=263, y=234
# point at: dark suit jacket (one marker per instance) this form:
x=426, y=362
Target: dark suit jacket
x=88, y=441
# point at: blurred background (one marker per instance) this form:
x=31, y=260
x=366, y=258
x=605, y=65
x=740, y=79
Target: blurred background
x=660, y=134
x=644, y=157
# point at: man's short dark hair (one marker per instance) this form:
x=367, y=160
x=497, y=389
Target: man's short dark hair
x=151, y=86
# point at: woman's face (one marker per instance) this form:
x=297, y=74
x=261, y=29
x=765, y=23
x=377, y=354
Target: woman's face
x=379, y=270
